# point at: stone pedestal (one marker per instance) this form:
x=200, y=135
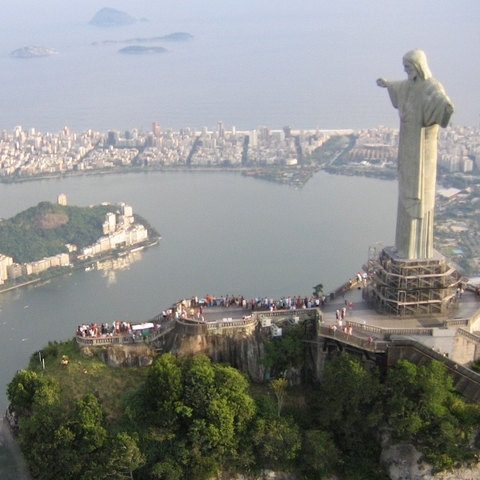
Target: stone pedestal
x=421, y=287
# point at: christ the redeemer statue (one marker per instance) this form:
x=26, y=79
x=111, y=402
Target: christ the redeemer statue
x=422, y=105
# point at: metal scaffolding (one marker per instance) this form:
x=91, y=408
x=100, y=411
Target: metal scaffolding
x=404, y=287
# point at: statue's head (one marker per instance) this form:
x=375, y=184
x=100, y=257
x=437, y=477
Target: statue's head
x=415, y=63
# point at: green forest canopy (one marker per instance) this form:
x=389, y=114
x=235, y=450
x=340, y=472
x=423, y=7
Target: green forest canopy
x=188, y=418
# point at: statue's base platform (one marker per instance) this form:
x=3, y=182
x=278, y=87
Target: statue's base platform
x=412, y=287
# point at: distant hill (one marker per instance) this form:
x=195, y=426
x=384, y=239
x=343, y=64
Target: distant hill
x=43, y=231
x=137, y=50
x=109, y=17
x=30, y=52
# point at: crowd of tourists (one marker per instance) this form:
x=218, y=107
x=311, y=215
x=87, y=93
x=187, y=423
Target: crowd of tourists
x=94, y=330
x=259, y=303
x=193, y=308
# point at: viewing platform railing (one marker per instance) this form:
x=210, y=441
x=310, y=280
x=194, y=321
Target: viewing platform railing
x=379, y=346
x=387, y=332
x=230, y=323
x=104, y=340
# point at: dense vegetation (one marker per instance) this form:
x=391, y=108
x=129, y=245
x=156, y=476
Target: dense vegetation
x=188, y=418
x=43, y=231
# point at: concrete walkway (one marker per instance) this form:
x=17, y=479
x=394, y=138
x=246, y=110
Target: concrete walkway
x=214, y=314
x=442, y=340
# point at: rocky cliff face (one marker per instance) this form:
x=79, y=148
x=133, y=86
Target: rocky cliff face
x=123, y=355
x=405, y=462
x=243, y=351
x=240, y=350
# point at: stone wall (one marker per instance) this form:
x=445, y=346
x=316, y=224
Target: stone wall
x=466, y=348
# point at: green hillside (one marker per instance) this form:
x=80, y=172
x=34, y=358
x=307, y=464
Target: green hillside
x=43, y=231
x=189, y=418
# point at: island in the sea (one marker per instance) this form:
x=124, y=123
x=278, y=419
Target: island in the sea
x=171, y=37
x=32, y=52
x=139, y=50
x=110, y=17
x=50, y=239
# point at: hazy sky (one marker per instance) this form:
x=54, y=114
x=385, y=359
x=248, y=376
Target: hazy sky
x=311, y=58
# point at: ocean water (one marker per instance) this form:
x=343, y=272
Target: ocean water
x=270, y=63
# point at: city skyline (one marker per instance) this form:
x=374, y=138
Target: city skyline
x=29, y=153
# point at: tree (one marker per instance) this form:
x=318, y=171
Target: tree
x=123, y=456
x=199, y=384
x=276, y=442
x=349, y=406
x=416, y=396
x=87, y=424
x=58, y=441
x=38, y=424
x=23, y=387
x=349, y=397
x=163, y=390
x=199, y=414
x=285, y=352
x=422, y=407
x=279, y=387
x=319, y=454
x=318, y=289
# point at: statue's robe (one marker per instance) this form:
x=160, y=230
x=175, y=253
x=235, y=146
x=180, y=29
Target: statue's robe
x=422, y=106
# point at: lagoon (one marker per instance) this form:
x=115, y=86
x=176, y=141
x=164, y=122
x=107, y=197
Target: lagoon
x=222, y=234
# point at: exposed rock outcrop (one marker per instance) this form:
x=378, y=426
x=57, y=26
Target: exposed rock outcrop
x=264, y=475
x=124, y=355
x=405, y=462
x=470, y=473
x=240, y=350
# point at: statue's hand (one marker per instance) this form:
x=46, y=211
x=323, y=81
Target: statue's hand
x=449, y=109
x=382, y=82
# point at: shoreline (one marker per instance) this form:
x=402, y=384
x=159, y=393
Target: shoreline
x=33, y=178
x=80, y=265
x=259, y=172
x=23, y=284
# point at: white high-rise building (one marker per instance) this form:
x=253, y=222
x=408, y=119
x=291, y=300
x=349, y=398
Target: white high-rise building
x=62, y=199
x=126, y=210
x=110, y=223
x=253, y=138
x=5, y=262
